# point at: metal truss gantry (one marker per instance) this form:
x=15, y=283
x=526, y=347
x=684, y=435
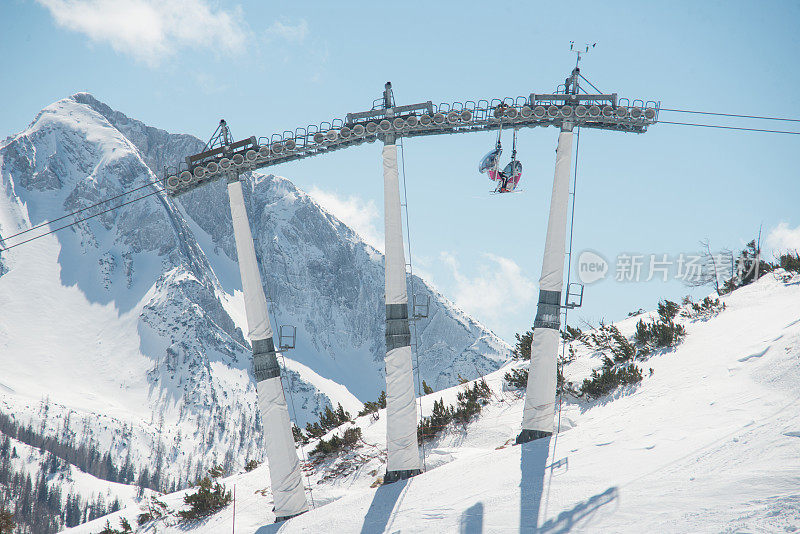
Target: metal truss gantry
x=567, y=108
x=597, y=111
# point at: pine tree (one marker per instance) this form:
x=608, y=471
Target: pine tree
x=341, y=415
x=7, y=523
x=314, y=430
x=115, y=506
x=790, y=262
x=143, y=482
x=667, y=310
x=252, y=464
x=72, y=511
x=571, y=334
x=522, y=350
x=374, y=406
x=517, y=378
x=216, y=471
x=298, y=435
x=336, y=444
x=209, y=498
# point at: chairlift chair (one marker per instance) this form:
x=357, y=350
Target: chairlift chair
x=507, y=179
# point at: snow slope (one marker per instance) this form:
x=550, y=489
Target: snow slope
x=710, y=442
x=69, y=479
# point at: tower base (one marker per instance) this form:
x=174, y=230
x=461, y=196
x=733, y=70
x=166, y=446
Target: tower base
x=402, y=474
x=529, y=435
x=285, y=517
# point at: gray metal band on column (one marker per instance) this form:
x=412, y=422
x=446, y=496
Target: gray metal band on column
x=265, y=360
x=537, y=416
x=398, y=333
x=548, y=311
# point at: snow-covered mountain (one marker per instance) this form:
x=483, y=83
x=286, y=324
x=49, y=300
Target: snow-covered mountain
x=134, y=319
x=708, y=441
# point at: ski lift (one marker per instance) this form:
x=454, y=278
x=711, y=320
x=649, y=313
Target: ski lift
x=491, y=160
x=507, y=179
x=574, y=296
x=287, y=337
x=420, y=311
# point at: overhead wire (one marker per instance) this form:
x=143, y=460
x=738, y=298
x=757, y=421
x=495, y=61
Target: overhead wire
x=54, y=230
x=730, y=127
x=786, y=119
x=154, y=182
x=717, y=114
x=413, y=295
x=84, y=209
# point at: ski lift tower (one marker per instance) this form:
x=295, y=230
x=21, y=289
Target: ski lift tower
x=568, y=108
x=402, y=454
x=284, y=466
x=576, y=110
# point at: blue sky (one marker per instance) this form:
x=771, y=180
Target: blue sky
x=271, y=66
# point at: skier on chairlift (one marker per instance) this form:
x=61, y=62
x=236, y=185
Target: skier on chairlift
x=507, y=179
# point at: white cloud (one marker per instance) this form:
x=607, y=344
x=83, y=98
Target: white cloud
x=496, y=295
x=360, y=215
x=782, y=238
x=293, y=33
x=151, y=30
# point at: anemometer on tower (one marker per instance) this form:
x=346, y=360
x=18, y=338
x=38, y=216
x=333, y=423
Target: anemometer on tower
x=567, y=108
x=578, y=51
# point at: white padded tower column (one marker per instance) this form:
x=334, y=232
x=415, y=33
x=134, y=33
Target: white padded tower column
x=537, y=416
x=401, y=411
x=284, y=467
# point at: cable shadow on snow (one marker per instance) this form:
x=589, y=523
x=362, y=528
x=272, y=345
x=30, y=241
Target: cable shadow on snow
x=383, y=504
x=472, y=520
x=533, y=459
x=568, y=519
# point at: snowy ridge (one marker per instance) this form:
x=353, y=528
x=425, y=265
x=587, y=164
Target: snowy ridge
x=318, y=273
x=132, y=322
x=708, y=443
x=88, y=310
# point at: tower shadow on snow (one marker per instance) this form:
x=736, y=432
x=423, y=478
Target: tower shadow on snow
x=533, y=459
x=382, y=506
x=472, y=520
x=533, y=467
